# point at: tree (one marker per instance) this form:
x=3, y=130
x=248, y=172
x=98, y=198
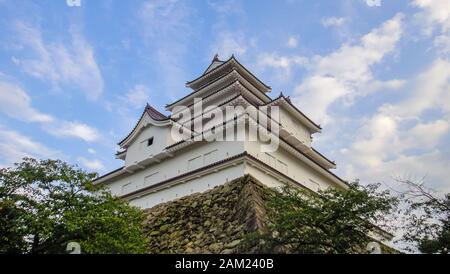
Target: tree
x=46, y=204
x=330, y=221
x=427, y=218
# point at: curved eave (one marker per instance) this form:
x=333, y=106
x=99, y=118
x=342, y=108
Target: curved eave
x=232, y=74
x=109, y=175
x=142, y=123
x=214, y=61
x=156, y=118
x=319, y=155
x=304, y=156
x=121, y=154
x=231, y=61
x=300, y=115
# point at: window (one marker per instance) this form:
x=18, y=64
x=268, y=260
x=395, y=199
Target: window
x=150, y=141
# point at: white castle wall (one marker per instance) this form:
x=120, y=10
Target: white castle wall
x=289, y=165
x=200, y=184
x=299, y=130
x=193, y=157
x=139, y=151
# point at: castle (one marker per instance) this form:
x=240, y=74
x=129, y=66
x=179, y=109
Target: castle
x=198, y=147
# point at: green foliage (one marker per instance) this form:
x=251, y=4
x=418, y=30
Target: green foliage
x=331, y=221
x=428, y=220
x=46, y=204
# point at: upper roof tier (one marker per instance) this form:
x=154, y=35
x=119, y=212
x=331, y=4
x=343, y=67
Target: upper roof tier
x=214, y=64
x=217, y=73
x=218, y=67
x=154, y=113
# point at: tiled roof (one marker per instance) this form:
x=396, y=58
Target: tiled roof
x=153, y=113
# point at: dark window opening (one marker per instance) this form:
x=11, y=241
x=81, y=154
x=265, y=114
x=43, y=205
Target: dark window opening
x=150, y=142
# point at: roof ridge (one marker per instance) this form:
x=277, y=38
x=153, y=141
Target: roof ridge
x=154, y=113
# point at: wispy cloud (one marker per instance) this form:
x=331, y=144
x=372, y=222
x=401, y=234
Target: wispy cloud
x=15, y=146
x=73, y=129
x=16, y=103
x=283, y=65
x=92, y=164
x=292, y=42
x=401, y=139
x=333, y=21
x=228, y=39
x=72, y=63
x=373, y=3
x=167, y=29
x=137, y=96
x=344, y=72
x=228, y=43
x=434, y=16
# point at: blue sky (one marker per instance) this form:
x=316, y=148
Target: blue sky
x=374, y=73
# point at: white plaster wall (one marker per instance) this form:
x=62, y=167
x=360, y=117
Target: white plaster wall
x=172, y=167
x=201, y=184
x=296, y=169
x=138, y=150
x=263, y=177
x=201, y=154
x=295, y=127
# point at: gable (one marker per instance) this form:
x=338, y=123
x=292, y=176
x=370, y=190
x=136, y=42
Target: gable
x=149, y=141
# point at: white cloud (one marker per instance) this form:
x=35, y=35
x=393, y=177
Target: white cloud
x=74, y=129
x=346, y=71
x=442, y=44
x=377, y=85
x=427, y=135
x=91, y=151
x=382, y=150
x=16, y=103
x=92, y=164
x=164, y=16
x=167, y=29
x=72, y=64
x=401, y=140
x=228, y=43
x=431, y=91
x=137, y=97
x=333, y=21
x=292, y=42
x=227, y=7
x=317, y=93
x=434, y=14
x=15, y=146
x=373, y=3
x=281, y=62
x=280, y=66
